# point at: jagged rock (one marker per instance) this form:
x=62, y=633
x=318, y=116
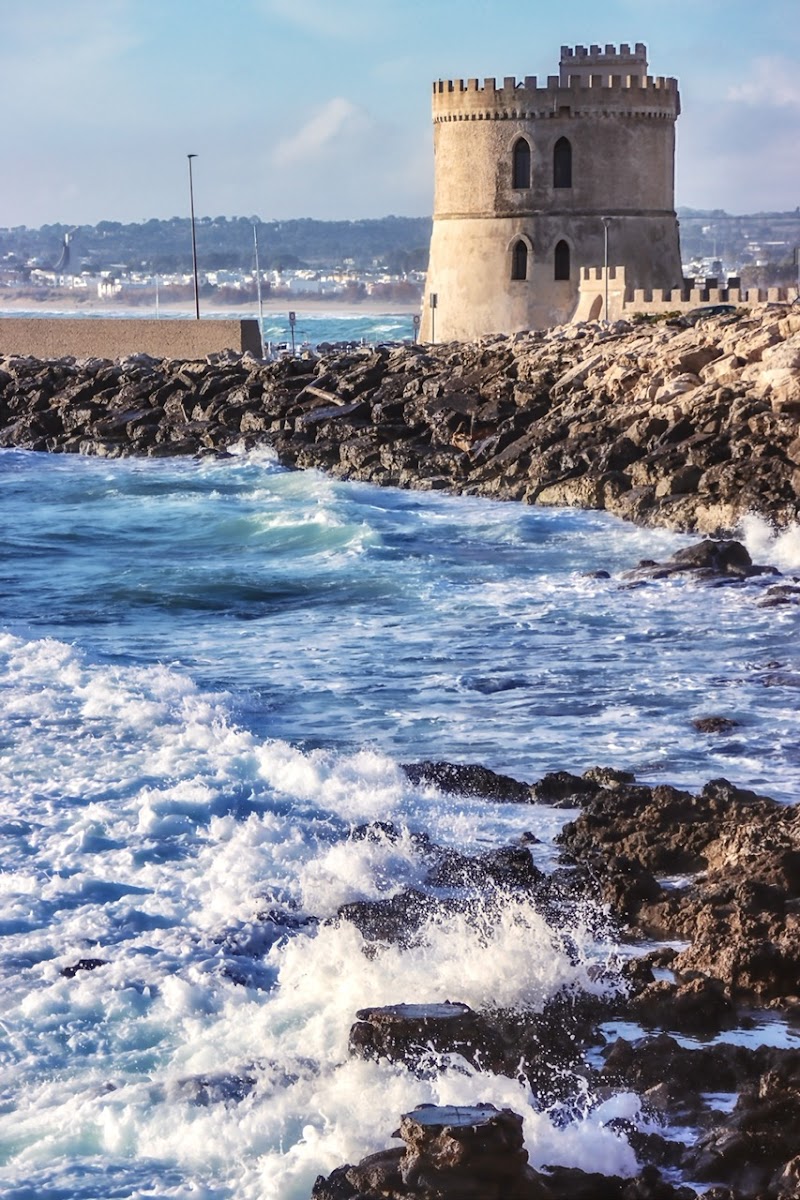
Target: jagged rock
x=412, y=1032
x=468, y=780
x=83, y=964
x=563, y=790
x=715, y=724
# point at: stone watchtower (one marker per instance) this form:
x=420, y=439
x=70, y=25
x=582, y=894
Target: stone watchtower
x=536, y=181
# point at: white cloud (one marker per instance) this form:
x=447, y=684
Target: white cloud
x=774, y=83
x=339, y=119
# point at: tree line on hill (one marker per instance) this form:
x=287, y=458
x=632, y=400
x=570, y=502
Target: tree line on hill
x=395, y=244
x=398, y=244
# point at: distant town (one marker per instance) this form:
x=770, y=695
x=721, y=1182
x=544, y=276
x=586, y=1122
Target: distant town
x=149, y=264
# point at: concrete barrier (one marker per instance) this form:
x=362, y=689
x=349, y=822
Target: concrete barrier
x=104, y=337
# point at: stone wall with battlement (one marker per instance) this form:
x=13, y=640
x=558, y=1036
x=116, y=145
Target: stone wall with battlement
x=626, y=301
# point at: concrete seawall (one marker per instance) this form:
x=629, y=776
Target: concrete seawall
x=112, y=338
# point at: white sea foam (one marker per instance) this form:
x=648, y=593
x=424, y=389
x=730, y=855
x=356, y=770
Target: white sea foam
x=766, y=544
x=162, y=876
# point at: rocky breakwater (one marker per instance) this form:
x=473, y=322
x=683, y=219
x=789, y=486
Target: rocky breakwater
x=702, y=890
x=686, y=427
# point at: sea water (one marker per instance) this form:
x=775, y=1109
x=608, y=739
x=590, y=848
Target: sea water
x=210, y=675
x=310, y=327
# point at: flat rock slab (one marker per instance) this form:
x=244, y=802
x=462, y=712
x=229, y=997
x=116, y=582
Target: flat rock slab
x=451, y=1116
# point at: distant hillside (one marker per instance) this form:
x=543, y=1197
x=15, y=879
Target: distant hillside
x=739, y=238
x=398, y=243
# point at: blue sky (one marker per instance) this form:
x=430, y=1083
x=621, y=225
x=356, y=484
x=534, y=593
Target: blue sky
x=321, y=108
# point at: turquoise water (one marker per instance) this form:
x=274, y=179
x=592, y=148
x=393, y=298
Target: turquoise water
x=310, y=329
x=209, y=673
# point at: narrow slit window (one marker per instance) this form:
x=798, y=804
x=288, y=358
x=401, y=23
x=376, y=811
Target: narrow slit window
x=562, y=163
x=522, y=163
x=519, y=260
x=562, y=261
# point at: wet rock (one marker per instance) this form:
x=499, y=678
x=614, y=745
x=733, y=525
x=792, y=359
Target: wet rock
x=468, y=780
x=698, y=1006
x=83, y=964
x=451, y=1153
x=508, y=867
x=394, y=920
x=560, y=789
x=411, y=1033
x=708, y=559
x=715, y=724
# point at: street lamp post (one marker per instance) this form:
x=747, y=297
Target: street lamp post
x=194, y=240
x=605, y=264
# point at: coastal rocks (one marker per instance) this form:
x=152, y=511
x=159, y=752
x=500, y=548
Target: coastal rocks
x=689, y=428
x=463, y=1153
x=476, y=1152
x=468, y=780
x=718, y=873
x=739, y=909
x=709, y=559
x=410, y=1033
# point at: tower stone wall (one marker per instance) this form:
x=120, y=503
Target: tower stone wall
x=535, y=181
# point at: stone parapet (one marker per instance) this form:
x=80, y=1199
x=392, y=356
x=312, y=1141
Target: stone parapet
x=599, y=92
x=112, y=337
x=625, y=301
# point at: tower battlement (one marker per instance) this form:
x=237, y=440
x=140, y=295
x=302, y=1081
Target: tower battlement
x=589, y=91
x=581, y=63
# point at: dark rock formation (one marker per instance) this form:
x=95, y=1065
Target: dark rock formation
x=473, y=1153
x=83, y=964
x=722, y=559
x=468, y=780
x=476, y=1153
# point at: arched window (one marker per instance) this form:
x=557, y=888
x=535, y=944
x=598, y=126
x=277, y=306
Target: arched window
x=562, y=261
x=522, y=163
x=562, y=163
x=519, y=260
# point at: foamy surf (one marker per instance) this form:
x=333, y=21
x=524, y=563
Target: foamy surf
x=209, y=677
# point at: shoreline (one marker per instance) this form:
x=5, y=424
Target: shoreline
x=689, y=428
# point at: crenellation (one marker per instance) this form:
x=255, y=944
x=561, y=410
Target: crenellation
x=631, y=95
